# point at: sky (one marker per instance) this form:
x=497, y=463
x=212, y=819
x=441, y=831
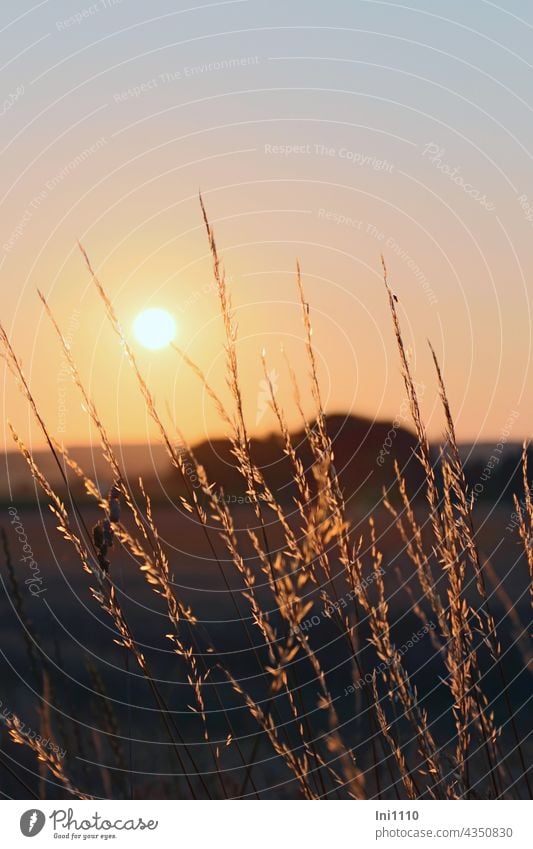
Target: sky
x=325, y=132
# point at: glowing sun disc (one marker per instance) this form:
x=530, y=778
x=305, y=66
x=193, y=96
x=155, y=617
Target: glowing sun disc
x=154, y=328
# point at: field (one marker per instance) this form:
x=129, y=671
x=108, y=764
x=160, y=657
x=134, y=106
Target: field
x=300, y=647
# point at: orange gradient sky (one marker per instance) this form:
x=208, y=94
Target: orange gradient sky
x=324, y=132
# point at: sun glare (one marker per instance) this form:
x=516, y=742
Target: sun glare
x=154, y=328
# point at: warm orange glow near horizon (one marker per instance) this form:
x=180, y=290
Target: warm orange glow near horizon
x=323, y=160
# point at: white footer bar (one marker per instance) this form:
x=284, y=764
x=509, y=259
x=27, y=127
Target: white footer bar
x=268, y=824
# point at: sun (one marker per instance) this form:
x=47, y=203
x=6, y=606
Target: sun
x=154, y=328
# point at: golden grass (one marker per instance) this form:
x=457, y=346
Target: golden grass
x=470, y=764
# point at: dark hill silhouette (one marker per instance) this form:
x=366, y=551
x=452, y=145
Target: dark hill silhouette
x=357, y=443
